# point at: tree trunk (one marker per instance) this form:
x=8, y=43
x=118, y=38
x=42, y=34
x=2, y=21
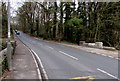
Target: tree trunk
x=55, y=20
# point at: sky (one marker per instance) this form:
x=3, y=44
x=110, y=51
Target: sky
x=14, y=4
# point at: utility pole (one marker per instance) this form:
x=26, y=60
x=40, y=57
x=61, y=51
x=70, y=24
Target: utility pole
x=8, y=21
x=9, y=47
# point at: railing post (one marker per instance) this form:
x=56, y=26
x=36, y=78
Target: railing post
x=9, y=55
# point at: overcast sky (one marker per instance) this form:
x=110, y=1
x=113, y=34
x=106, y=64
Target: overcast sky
x=14, y=4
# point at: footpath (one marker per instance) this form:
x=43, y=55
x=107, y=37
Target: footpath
x=24, y=66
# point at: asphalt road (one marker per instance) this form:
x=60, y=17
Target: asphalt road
x=61, y=62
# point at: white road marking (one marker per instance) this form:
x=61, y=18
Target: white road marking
x=104, y=55
x=107, y=73
x=39, y=74
x=117, y=58
x=25, y=46
x=50, y=47
x=97, y=53
x=68, y=55
x=45, y=74
x=111, y=56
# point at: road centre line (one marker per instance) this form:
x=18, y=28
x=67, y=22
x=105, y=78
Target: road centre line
x=107, y=73
x=50, y=47
x=111, y=56
x=68, y=55
x=97, y=53
x=104, y=55
x=88, y=51
x=117, y=58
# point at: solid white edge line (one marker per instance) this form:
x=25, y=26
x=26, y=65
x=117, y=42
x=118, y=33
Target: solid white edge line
x=46, y=77
x=39, y=74
x=68, y=55
x=107, y=73
x=45, y=74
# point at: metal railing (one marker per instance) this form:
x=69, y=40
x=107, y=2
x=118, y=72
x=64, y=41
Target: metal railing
x=6, y=58
x=3, y=61
x=6, y=54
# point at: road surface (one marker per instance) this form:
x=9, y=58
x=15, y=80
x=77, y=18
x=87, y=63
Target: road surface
x=61, y=62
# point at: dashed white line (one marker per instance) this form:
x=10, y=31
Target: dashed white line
x=50, y=47
x=68, y=55
x=107, y=73
x=111, y=56
x=97, y=53
x=117, y=58
x=104, y=55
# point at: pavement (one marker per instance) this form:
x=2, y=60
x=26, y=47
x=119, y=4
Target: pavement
x=24, y=66
x=64, y=62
